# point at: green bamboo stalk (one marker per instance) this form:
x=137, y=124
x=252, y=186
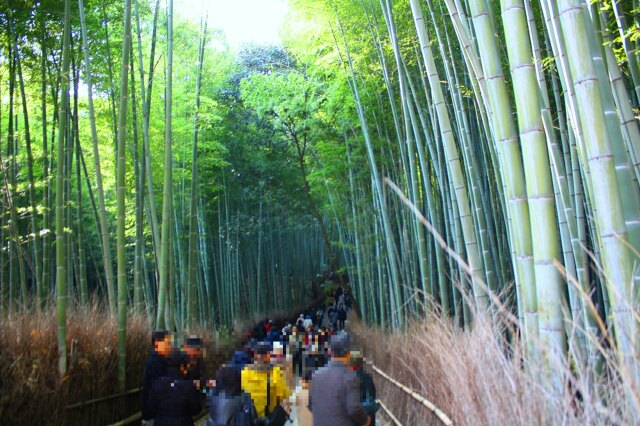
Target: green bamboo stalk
x=629, y=51
x=605, y=195
x=46, y=216
x=193, y=256
x=146, y=108
x=16, y=257
x=81, y=270
x=61, y=263
x=377, y=183
x=31, y=183
x=167, y=193
x=549, y=287
x=104, y=230
x=120, y=194
x=139, y=202
x=452, y=160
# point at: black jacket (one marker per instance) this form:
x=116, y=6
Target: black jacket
x=174, y=402
x=196, y=371
x=154, y=368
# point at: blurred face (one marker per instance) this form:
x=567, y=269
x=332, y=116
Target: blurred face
x=192, y=351
x=163, y=347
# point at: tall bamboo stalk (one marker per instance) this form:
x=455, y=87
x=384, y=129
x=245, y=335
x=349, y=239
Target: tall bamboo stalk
x=167, y=193
x=120, y=194
x=605, y=195
x=193, y=226
x=61, y=261
x=104, y=230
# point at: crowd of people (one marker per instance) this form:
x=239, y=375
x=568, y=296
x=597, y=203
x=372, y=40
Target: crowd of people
x=301, y=367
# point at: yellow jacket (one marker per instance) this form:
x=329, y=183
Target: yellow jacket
x=254, y=382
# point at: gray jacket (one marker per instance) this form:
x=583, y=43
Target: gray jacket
x=334, y=397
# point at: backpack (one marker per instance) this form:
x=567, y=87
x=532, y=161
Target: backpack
x=243, y=414
x=278, y=417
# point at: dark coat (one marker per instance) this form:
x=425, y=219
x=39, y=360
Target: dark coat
x=334, y=397
x=367, y=389
x=174, y=402
x=154, y=368
x=259, y=331
x=342, y=314
x=315, y=361
x=195, y=371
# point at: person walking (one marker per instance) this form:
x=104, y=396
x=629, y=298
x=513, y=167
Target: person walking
x=279, y=359
x=342, y=317
x=300, y=322
x=303, y=416
x=333, y=319
x=260, y=331
x=296, y=343
x=227, y=404
x=174, y=399
x=334, y=397
x=267, y=386
x=319, y=316
x=308, y=322
x=193, y=350
x=155, y=367
x=367, y=387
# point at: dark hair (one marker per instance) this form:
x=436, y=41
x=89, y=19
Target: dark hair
x=158, y=335
x=263, y=348
x=228, y=380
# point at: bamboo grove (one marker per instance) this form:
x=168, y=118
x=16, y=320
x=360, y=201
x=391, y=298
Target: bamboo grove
x=98, y=214
x=509, y=128
x=462, y=158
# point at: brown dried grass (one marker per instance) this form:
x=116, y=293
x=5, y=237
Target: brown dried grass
x=31, y=391
x=477, y=377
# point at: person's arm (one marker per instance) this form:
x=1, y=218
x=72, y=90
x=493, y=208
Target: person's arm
x=146, y=389
x=282, y=389
x=352, y=401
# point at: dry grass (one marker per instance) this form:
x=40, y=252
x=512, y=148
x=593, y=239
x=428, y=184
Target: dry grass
x=31, y=391
x=477, y=378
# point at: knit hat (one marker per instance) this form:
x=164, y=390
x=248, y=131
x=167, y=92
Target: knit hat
x=340, y=345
